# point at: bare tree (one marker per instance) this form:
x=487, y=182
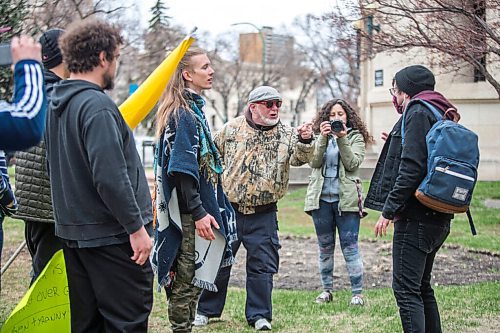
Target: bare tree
x=44, y=14
x=459, y=31
x=329, y=50
x=237, y=77
x=226, y=72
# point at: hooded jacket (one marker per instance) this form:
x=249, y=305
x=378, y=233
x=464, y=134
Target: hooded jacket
x=401, y=168
x=351, y=155
x=99, y=188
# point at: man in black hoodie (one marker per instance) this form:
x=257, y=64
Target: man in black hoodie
x=101, y=199
x=32, y=179
x=419, y=231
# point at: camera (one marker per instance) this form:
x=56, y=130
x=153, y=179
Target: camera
x=5, y=54
x=337, y=125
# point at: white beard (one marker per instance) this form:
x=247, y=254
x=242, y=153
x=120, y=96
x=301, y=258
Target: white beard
x=267, y=121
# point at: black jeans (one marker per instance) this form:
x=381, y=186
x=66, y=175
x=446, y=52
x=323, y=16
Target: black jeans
x=42, y=244
x=414, y=247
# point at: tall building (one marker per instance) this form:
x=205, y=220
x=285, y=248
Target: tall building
x=268, y=53
x=273, y=48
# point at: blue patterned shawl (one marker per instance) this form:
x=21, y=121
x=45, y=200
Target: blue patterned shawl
x=186, y=146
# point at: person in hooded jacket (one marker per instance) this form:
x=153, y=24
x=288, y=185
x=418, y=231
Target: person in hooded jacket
x=334, y=195
x=101, y=199
x=419, y=231
x=32, y=179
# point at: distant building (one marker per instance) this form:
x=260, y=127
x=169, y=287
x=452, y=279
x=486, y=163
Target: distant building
x=273, y=48
x=265, y=45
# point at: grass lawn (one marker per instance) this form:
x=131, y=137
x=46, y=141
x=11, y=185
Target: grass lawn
x=293, y=220
x=472, y=308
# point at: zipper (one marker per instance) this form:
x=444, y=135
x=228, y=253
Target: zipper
x=453, y=173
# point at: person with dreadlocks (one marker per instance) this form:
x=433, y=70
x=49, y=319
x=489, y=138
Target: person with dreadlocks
x=334, y=194
x=194, y=220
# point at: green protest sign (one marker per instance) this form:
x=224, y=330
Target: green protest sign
x=45, y=307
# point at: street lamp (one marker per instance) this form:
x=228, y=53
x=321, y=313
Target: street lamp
x=263, y=40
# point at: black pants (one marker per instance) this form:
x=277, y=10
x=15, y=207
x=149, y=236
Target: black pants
x=42, y=244
x=108, y=291
x=259, y=234
x=415, y=245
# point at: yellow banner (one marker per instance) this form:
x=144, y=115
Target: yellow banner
x=45, y=307
x=141, y=102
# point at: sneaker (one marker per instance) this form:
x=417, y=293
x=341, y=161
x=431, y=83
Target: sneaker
x=200, y=320
x=262, y=325
x=357, y=300
x=324, y=297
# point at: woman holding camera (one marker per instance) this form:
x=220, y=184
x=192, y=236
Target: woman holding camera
x=334, y=194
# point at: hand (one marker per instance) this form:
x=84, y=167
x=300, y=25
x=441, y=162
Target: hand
x=204, y=227
x=141, y=244
x=305, y=131
x=381, y=226
x=325, y=128
x=384, y=136
x=25, y=47
x=341, y=133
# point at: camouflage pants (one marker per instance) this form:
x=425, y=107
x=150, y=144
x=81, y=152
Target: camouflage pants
x=184, y=298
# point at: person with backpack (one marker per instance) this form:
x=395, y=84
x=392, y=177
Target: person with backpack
x=419, y=231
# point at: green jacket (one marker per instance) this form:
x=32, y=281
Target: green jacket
x=352, y=152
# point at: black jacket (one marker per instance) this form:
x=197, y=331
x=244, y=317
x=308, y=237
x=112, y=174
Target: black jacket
x=32, y=178
x=402, y=167
x=99, y=188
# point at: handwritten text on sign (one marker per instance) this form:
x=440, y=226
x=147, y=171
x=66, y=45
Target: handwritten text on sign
x=45, y=307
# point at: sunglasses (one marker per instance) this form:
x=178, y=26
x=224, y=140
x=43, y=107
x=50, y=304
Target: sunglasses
x=269, y=104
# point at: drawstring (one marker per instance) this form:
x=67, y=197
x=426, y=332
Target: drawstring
x=360, y=199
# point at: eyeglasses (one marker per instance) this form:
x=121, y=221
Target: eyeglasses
x=393, y=91
x=269, y=104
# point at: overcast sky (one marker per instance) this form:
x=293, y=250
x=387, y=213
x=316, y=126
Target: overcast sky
x=216, y=16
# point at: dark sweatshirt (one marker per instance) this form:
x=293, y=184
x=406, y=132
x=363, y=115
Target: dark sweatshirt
x=99, y=188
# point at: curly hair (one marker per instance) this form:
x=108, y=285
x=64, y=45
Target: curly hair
x=83, y=41
x=353, y=119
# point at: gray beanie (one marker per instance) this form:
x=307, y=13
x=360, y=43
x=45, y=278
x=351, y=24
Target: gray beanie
x=263, y=93
x=414, y=79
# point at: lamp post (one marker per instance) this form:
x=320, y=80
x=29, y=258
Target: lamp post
x=263, y=40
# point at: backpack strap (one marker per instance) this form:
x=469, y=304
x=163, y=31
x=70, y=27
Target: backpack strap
x=428, y=105
x=471, y=223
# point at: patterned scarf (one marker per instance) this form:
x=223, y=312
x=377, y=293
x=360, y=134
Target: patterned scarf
x=209, y=156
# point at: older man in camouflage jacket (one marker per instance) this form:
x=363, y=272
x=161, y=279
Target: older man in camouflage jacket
x=257, y=151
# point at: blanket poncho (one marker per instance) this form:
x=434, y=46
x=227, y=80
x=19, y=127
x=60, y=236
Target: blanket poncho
x=186, y=146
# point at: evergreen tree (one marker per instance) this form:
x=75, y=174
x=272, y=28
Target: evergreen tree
x=158, y=17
